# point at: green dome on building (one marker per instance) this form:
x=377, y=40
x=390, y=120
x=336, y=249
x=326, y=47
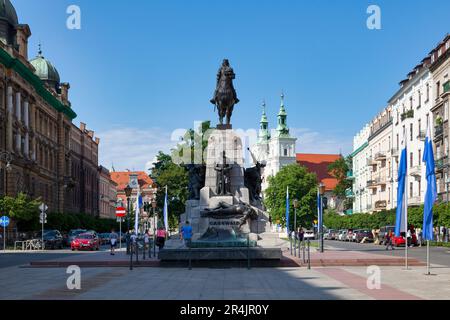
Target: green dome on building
x=8, y=22
x=46, y=71
x=8, y=13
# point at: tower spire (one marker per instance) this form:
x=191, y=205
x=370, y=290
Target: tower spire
x=264, y=134
x=40, y=49
x=282, y=128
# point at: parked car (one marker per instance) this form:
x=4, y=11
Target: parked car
x=86, y=241
x=342, y=235
x=72, y=234
x=396, y=241
x=309, y=234
x=361, y=234
x=53, y=239
x=104, y=237
x=330, y=235
x=349, y=235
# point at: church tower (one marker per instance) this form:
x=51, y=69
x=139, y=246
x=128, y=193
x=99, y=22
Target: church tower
x=281, y=146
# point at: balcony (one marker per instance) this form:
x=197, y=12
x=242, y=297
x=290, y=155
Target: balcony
x=350, y=175
x=415, y=201
x=371, y=162
x=422, y=135
x=381, y=205
x=349, y=193
x=441, y=163
x=415, y=171
x=380, y=156
x=395, y=152
x=372, y=184
x=438, y=132
x=407, y=114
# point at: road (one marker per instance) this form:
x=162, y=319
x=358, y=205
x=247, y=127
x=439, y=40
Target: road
x=438, y=255
x=19, y=258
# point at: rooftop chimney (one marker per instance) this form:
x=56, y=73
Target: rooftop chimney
x=65, y=92
x=82, y=126
x=23, y=32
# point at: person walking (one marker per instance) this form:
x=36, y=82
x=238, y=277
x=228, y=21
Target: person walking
x=419, y=236
x=444, y=234
x=161, y=236
x=113, y=241
x=147, y=242
x=389, y=240
x=186, y=233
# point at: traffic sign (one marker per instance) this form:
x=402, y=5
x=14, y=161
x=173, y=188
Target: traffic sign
x=120, y=212
x=4, y=221
x=43, y=218
x=43, y=207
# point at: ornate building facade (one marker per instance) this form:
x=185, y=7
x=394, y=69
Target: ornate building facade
x=43, y=153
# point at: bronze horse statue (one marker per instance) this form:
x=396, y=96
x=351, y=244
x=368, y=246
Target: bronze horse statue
x=225, y=95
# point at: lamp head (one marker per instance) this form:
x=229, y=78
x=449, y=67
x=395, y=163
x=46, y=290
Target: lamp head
x=322, y=189
x=128, y=191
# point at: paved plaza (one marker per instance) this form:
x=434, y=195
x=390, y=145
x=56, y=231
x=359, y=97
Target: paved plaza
x=21, y=280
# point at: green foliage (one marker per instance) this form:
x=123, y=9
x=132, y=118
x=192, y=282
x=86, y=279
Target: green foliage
x=385, y=218
x=302, y=186
x=68, y=221
x=22, y=209
x=175, y=177
x=339, y=169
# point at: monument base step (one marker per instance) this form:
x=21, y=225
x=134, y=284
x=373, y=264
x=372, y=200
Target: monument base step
x=220, y=254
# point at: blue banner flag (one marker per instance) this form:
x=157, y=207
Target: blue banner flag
x=431, y=193
x=402, y=203
x=287, y=211
x=137, y=212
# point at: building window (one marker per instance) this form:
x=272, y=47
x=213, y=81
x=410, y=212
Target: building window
x=411, y=188
x=420, y=155
x=438, y=89
x=411, y=132
x=411, y=158
x=428, y=92
x=420, y=98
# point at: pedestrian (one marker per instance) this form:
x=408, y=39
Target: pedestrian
x=186, y=233
x=444, y=234
x=147, y=242
x=301, y=234
x=113, y=241
x=419, y=236
x=389, y=240
x=161, y=236
x=409, y=238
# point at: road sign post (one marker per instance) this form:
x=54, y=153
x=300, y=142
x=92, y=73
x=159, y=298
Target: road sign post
x=4, y=222
x=120, y=213
x=43, y=219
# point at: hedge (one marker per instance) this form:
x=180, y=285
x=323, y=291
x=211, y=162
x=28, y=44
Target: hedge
x=68, y=221
x=332, y=220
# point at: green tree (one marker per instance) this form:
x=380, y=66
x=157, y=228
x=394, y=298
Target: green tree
x=302, y=186
x=175, y=177
x=22, y=209
x=339, y=170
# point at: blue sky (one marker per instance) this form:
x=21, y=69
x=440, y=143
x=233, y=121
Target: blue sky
x=140, y=69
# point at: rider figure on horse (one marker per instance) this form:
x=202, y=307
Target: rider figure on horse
x=225, y=96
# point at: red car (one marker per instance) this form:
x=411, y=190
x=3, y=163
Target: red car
x=85, y=241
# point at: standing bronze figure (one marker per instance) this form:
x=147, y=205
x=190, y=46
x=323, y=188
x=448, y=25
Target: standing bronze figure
x=225, y=95
x=223, y=186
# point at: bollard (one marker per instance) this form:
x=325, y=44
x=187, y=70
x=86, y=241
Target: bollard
x=290, y=243
x=295, y=246
x=137, y=251
x=131, y=256
x=248, y=252
x=143, y=251
x=304, y=251
x=309, y=256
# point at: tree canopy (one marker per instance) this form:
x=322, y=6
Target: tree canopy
x=302, y=186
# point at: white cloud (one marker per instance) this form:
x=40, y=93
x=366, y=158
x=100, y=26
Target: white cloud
x=136, y=149
x=310, y=141
x=131, y=148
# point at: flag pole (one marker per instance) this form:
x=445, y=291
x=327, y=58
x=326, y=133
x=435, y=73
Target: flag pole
x=428, y=257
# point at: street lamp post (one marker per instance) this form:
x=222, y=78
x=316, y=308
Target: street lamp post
x=128, y=191
x=321, y=192
x=6, y=156
x=154, y=227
